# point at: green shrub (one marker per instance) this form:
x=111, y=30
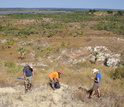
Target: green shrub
x=9, y=64
x=26, y=32
x=1, y=27
x=92, y=11
x=63, y=43
x=51, y=33
x=110, y=11
x=58, y=49
x=10, y=41
x=2, y=46
x=120, y=13
x=10, y=27
x=49, y=49
x=83, y=25
x=118, y=73
x=22, y=50
x=15, y=69
x=23, y=36
x=115, y=27
x=96, y=53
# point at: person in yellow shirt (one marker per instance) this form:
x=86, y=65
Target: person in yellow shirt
x=54, y=77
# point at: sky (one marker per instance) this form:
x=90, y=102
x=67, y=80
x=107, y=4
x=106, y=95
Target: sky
x=88, y=4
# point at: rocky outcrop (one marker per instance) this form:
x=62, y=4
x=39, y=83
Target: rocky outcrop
x=72, y=56
x=94, y=54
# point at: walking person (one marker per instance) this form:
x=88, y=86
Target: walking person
x=28, y=73
x=54, y=77
x=97, y=81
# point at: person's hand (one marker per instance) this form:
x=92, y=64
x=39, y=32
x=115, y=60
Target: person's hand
x=25, y=78
x=92, y=78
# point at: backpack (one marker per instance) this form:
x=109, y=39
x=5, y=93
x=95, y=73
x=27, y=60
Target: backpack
x=57, y=85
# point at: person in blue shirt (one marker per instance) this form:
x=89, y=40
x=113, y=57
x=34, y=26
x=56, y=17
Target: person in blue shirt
x=97, y=81
x=28, y=73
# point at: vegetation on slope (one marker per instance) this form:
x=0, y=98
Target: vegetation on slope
x=17, y=29
x=51, y=24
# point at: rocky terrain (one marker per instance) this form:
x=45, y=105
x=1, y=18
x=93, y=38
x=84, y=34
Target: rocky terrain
x=74, y=45
x=44, y=96
x=108, y=51
x=101, y=51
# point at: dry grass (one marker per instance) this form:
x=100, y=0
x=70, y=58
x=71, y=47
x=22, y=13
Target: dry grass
x=69, y=77
x=110, y=89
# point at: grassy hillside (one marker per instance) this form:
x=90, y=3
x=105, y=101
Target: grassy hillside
x=37, y=39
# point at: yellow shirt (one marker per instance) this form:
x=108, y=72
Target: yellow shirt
x=53, y=75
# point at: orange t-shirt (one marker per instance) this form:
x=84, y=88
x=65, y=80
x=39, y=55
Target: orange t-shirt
x=53, y=75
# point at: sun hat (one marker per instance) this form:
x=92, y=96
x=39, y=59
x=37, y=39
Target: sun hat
x=95, y=70
x=26, y=65
x=60, y=72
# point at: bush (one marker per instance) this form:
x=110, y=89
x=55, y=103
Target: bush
x=1, y=27
x=65, y=43
x=15, y=69
x=115, y=27
x=10, y=41
x=49, y=49
x=92, y=11
x=118, y=73
x=110, y=11
x=120, y=13
x=27, y=32
x=9, y=64
x=22, y=50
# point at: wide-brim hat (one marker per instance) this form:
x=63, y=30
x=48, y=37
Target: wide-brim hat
x=95, y=70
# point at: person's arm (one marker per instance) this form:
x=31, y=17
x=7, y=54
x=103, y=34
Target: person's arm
x=59, y=75
x=24, y=75
x=95, y=79
x=57, y=80
x=32, y=73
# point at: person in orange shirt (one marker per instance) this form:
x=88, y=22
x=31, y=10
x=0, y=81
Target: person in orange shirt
x=53, y=77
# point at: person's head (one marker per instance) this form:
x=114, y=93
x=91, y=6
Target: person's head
x=95, y=71
x=26, y=65
x=59, y=72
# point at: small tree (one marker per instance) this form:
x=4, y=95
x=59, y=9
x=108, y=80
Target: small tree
x=22, y=52
x=110, y=11
x=63, y=43
x=49, y=49
x=92, y=11
x=118, y=73
x=96, y=56
x=120, y=13
x=9, y=42
x=44, y=31
x=51, y=33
